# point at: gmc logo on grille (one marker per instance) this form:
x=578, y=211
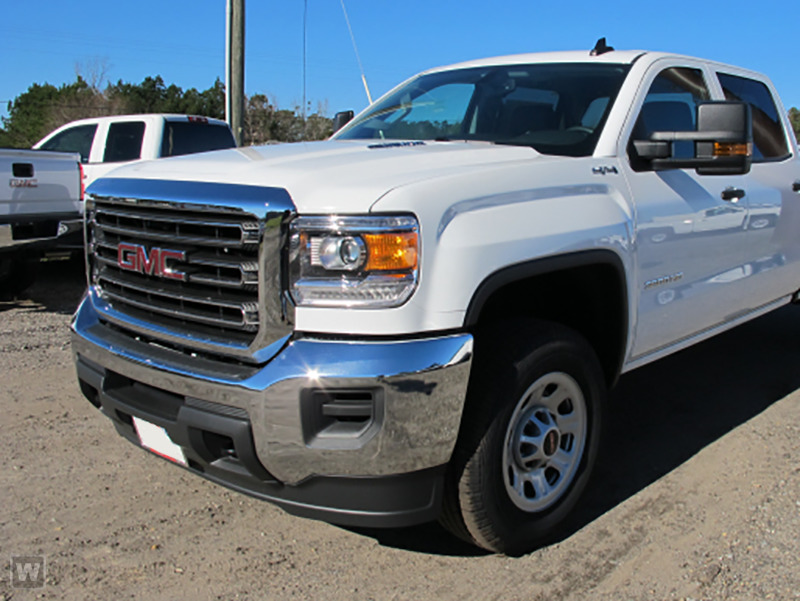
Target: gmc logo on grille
x=134, y=257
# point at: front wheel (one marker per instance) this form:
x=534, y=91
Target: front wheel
x=528, y=439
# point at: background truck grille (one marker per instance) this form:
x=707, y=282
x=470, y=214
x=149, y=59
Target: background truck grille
x=211, y=291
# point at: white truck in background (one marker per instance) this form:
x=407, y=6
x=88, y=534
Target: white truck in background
x=419, y=318
x=105, y=143
x=41, y=207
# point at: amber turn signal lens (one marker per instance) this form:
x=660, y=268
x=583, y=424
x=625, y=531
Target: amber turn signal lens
x=391, y=252
x=722, y=149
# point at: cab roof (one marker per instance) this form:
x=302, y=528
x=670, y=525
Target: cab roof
x=619, y=57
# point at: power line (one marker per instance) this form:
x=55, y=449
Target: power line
x=305, y=48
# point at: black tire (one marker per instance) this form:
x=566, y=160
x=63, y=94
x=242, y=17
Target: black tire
x=528, y=439
x=17, y=273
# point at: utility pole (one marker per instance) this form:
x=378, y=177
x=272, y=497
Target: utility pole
x=234, y=68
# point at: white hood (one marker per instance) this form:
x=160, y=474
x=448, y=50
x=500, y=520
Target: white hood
x=340, y=176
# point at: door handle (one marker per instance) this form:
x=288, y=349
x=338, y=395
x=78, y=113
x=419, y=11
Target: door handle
x=796, y=186
x=732, y=194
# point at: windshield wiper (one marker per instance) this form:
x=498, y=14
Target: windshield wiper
x=469, y=140
x=512, y=143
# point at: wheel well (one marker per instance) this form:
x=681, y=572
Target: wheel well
x=585, y=292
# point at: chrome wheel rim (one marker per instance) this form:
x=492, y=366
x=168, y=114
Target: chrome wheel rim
x=544, y=442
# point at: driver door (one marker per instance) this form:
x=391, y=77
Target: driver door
x=690, y=227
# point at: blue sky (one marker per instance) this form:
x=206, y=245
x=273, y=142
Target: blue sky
x=184, y=41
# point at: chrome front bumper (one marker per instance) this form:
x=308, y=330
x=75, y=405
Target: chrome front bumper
x=320, y=408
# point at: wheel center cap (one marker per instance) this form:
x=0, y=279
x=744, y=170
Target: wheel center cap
x=551, y=441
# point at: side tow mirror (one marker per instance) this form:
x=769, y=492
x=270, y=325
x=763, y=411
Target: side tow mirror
x=341, y=119
x=723, y=142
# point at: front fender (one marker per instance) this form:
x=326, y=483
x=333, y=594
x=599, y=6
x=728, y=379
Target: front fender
x=473, y=225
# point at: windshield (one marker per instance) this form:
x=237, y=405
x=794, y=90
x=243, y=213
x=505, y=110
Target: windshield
x=555, y=108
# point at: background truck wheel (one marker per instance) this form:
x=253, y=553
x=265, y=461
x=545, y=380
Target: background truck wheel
x=17, y=273
x=528, y=439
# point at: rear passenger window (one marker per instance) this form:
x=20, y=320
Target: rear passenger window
x=188, y=137
x=769, y=139
x=75, y=139
x=124, y=142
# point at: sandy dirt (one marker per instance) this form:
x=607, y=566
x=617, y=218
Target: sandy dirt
x=697, y=495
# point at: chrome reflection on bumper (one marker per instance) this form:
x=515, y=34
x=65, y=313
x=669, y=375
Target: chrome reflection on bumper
x=62, y=229
x=421, y=385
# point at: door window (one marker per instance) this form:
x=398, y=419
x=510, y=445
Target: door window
x=769, y=139
x=124, y=142
x=75, y=139
x=670, y=105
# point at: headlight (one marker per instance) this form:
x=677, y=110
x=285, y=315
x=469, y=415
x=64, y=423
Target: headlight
x=353, y=261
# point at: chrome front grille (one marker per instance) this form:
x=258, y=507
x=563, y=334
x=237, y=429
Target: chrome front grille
x=180, y=227
x=189, y=267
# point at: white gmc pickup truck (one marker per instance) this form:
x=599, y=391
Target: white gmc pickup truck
x=41, y=207
x=419, y=318
x=105, y=143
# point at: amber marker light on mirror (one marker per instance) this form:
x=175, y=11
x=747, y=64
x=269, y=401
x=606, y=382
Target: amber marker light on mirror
x=728, y=149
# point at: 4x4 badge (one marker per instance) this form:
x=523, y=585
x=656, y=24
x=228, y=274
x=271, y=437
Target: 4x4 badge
x=604, y=170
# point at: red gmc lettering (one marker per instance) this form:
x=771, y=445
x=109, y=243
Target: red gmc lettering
x=167, y=272
x=126, y=256
x=144, y=263
x=134, y=257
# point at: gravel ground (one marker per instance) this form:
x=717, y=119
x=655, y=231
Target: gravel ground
x=697, y=494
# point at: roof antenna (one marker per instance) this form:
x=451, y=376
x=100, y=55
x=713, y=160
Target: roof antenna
x=358, y=58
x=601, y=48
